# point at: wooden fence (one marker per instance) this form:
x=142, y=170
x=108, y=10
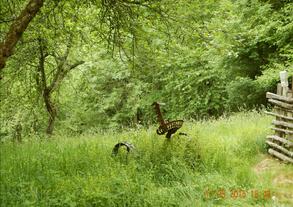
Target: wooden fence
x=281, y=142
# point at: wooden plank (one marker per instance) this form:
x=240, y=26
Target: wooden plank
x=278, y=97
x=282, y=149
x=280, y=139
x=280, y=156
x=282, y=123
x=283, y=109
x=279, y=115
x=281, y=104
x=286, y=131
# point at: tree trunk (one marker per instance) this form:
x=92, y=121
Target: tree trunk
x=51, y=111
x=48, y=89
x=17, y=133
x=17, y=28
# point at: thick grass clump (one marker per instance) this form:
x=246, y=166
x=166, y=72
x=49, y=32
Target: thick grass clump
x=186, y=171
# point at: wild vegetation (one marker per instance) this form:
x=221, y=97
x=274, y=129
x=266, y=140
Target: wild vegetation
x=218, y=156
x=76, y=76
x=87, y=65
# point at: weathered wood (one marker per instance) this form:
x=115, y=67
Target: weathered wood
x=282, y=123
x=281, y=104
x=280, y=139
x=286, y=131
x=284, y=82
x=279, y=115
x=279, y=109
x=283, y=149
x=280, y=155
x=279, y=89
x=278, y=97
x=290, y=114
x=281, y=143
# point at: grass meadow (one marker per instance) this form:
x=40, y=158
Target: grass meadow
x=213, y=166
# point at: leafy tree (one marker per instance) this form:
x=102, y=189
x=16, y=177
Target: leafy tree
x=202, y=58
x=47, y=64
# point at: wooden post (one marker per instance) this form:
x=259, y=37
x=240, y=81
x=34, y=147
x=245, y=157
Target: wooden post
x=290, y=114
x=279, y=111
x=284, y=82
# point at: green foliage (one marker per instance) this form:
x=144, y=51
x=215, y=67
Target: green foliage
x=245, y=93
x=203, y=59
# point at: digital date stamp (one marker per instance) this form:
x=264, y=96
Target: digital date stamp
x=237, y=193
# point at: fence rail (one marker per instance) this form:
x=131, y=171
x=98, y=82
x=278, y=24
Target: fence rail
x=281, y=143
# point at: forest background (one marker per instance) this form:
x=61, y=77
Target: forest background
x=87, y=66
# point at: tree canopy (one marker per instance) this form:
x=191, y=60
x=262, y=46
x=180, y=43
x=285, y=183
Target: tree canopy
x=88, y=65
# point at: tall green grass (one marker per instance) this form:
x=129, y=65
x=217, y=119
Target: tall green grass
x=64, y=171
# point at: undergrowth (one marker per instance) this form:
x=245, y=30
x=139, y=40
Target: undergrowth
x=206, y=168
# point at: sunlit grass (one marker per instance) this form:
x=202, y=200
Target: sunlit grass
x=63, y=171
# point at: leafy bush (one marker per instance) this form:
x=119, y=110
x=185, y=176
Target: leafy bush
x=245, y=93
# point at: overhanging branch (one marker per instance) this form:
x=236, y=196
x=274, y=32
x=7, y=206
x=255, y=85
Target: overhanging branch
x=17, y=28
